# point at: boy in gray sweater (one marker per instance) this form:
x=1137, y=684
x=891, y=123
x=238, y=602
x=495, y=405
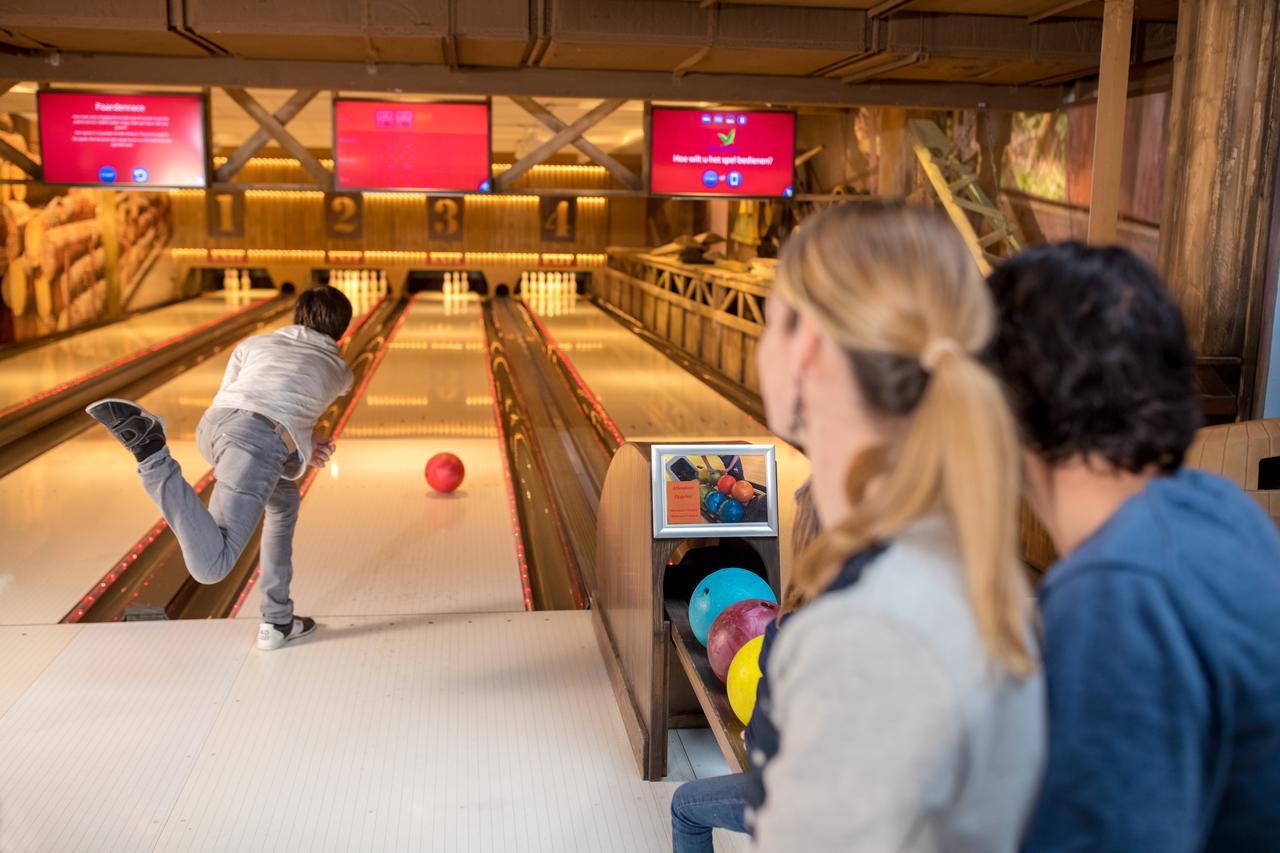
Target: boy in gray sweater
x=258, y=437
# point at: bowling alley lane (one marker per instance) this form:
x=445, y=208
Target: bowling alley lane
x=373, y=539
x=68, y=515
x=651, y=398
x=28, y=373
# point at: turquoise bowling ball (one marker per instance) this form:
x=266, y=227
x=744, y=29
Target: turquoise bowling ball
x=714, y=501
x=719, y=590
x=731, y=511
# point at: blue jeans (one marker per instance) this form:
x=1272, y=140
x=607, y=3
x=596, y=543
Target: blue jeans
x=705, y=804
x=248, y=459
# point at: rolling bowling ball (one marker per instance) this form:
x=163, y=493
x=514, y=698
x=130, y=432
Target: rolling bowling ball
x=733, y=628
x=726, y=483
x=720, y=589
x=744, y=677
x=731, y=511
x=445, y=472
x=743, y=491
x=714, y=501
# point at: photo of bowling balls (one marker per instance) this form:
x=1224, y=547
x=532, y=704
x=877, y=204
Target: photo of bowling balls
x=719, y=590
x=742, y=492
x=743, y=678
x=734, y=627
x=726, y=484
x=714, y=501
x=731, y=511
x=445, y=472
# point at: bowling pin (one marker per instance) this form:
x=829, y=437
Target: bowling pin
x=245, y=283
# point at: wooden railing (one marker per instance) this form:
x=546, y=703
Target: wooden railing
x=714, y=315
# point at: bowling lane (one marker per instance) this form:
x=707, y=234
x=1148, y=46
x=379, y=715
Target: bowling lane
x=372, y=539
x=68, y=515
x=651, y=398
x=28, y=373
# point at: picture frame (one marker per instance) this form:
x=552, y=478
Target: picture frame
x=681, y=473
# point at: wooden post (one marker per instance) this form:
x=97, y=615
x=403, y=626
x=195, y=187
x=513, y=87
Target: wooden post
x=995, y=128
x=1108, y=133
x=1224, y=142
x=895, y=160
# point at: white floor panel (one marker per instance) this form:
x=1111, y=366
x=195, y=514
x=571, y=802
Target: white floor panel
x=444, y=733
x=375, y=540
x=24, y=653
x=66, y=516
x=96, y=751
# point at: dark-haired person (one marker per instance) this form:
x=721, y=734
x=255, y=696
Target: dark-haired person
x=1162, y=618
x=257, y=434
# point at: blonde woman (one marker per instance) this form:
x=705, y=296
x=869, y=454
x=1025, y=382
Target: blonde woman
x=904, y=709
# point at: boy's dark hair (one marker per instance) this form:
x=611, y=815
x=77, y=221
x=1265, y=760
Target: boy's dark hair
x=324, y=309
x=1094, y=354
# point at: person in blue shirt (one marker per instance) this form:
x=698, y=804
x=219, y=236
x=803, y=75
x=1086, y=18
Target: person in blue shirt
x=1162, y=617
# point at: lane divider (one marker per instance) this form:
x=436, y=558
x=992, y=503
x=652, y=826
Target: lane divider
x=587, y=393
x=508, y=476
x=131, y=556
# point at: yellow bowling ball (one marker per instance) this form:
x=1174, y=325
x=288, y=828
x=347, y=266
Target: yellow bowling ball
x=744, y=675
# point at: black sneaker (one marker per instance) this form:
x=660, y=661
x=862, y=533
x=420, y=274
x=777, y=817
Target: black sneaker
x=141, y=432
x=272, y=636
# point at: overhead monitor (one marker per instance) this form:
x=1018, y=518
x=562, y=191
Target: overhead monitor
x=721, y=152
x=124, y=140
x=403, y=145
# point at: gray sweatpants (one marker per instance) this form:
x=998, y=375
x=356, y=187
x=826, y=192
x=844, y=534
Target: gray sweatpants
x=248, y=459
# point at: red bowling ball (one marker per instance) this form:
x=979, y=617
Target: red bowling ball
x=445, y=472
x=737, y=625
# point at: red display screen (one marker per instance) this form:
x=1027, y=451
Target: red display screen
x=719, y=152
x=122, y=140
x=390, y=145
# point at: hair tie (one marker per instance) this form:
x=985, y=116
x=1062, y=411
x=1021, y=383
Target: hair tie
x=936, y=350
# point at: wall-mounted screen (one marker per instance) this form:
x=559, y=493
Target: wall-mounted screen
x=122, y=140
x=721, y=152
x=396, y=145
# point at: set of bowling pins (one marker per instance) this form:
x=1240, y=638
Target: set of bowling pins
x=457, y=283
x=550, y=293
x=236, y=281
x=362, y=287
x=237, y=286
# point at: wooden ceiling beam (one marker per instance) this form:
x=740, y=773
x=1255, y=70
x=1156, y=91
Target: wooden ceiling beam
x=534, y=82
x=261, y=136
x=596, y=154
x=1060, y=9
x=564, y=137
x=268, y=122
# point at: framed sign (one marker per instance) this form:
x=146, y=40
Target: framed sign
x=344, y=216
x=224, y=213
x=714, y=490
x=559, y=219
x=445, y=216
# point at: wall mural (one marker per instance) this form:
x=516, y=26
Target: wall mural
x=72, y=256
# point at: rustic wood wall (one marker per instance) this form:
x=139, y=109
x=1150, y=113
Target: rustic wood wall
x=1224, y=142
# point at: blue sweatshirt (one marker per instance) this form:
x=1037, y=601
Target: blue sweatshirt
x=1162, y=636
